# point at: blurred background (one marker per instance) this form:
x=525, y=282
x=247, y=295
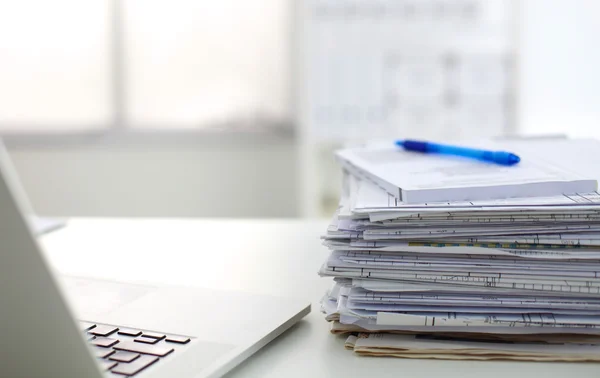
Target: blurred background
x=191, y=108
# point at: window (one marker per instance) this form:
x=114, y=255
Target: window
x=55, y=65
x=69, y=65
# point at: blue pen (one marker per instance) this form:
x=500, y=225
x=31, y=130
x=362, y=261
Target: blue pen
x=498, y=157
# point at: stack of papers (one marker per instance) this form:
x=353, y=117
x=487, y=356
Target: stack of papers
x=508, y=278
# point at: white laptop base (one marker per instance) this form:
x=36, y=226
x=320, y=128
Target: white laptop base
x=41, y=337
x=224, y=327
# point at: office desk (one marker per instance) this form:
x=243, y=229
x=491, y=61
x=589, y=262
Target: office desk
x=278, y=257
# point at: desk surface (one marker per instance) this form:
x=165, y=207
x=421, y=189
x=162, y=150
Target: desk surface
x=278, y=257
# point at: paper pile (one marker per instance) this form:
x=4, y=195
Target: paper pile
x=514, y=278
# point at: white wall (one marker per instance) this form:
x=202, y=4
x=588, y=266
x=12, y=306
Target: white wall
x=212, y=176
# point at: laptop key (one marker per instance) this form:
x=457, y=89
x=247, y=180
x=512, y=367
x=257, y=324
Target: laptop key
x=154, y=335
x=123, y=356
x=146, y=340
x=104, y=342
x=178, y=339
x=134, y=367
x=107, y=365
x=102, y=352
x=103, y=330
x=154, y=350
x=129, y=332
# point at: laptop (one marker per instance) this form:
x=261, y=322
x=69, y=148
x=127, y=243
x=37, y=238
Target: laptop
x=123, y=330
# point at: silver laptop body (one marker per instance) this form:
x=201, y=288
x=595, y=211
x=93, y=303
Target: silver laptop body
x=120, y=329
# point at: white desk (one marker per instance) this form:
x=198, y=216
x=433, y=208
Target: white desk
x=279, y=257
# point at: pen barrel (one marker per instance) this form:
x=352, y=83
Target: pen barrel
x=427, y=147
x=460, y=151
x=498, y=157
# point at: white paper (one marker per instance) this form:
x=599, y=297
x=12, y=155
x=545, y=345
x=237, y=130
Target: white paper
x=418, y=178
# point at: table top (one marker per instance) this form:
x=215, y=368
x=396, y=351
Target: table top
x=276, y=257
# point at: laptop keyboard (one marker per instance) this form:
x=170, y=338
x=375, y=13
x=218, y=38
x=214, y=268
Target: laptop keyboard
x=127, y=352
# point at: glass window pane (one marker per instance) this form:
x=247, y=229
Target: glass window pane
x=54, y=64
x=191, y=63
